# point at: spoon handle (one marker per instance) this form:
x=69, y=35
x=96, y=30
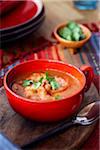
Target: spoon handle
x=56, y=130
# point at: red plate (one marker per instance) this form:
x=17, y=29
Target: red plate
x=6, y=6
x=26, y=11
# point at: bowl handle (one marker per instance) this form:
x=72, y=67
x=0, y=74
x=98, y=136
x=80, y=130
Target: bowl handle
x=89, y=74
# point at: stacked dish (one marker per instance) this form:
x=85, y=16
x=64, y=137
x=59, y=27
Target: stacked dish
x=20, y=19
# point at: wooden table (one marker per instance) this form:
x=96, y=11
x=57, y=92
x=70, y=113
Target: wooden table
x=58, y=11
x=20, y=130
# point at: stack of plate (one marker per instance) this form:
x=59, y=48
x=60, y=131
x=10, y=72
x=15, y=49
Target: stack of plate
x=26, y=17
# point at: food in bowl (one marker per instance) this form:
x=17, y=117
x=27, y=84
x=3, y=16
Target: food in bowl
x=71, y=32
x=45, y=109
x=48, y=85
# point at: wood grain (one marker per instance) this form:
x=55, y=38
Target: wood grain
x=21, y=131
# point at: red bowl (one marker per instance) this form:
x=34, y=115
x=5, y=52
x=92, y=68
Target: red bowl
x=47, y=111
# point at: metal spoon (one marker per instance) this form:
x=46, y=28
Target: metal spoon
x=88, y=115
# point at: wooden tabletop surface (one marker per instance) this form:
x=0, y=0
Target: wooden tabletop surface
x=58, y=11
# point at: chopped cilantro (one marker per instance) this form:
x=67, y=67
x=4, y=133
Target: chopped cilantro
x=36, y=85
x=48, y=78
x=41, y=79
x=27, y=83
x=54, y=84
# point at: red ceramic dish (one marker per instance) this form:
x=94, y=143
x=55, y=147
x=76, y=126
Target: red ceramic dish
x=26, y=11
x=6, y=6
x=49, y=110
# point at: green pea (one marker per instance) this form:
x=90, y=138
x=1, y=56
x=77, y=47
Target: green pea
x=64, y=32
x=71, y=25
x=68, y=37
x=71, y=32
x=77, y=29
x=76, y=36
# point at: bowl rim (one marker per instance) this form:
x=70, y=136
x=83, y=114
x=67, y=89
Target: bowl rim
x=42, y=101
x=59, y=38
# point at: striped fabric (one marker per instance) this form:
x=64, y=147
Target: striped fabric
x=89, y=54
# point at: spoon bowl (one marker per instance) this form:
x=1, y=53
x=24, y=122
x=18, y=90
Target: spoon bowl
x=88, y=114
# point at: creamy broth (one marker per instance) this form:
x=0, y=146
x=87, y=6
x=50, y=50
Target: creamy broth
x=48, y=85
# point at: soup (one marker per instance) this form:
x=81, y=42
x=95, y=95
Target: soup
x=46, y=85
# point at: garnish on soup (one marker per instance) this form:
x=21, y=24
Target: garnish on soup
x=48, y=85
